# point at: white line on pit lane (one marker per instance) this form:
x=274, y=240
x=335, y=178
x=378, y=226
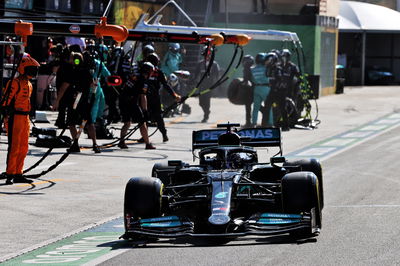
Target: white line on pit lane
x=374, y=135
x=365, y=206
x=106, y=257
x=54, y=240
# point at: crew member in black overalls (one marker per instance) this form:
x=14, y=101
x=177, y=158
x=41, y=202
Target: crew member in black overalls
x=156, y=80
x=63, y=81
x=111, y=93
x=248, y=62
x=278, y=93
x=133, y=104
x=210, y=80
x=290, y=74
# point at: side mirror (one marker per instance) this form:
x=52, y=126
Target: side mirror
x=114, y=81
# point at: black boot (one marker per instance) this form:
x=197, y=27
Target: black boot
x=122, y=145
x=21, y=179
x=165, y=138
x=74, y=147
x=205, y=118
x=164, y=135
x=96, y=149
x=9, y=178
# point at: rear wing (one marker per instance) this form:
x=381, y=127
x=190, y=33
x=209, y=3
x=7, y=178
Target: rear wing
x=254, y=137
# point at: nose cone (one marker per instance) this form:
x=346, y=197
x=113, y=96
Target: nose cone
x=218, y=219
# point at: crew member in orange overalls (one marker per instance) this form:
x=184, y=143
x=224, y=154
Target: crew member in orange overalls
x=18, y=103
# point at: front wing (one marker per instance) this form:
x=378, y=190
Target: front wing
x=259, y=224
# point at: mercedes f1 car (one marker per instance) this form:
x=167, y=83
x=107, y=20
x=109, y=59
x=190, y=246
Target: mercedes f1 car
x=229, y=193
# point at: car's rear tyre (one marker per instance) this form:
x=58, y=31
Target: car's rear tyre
x=162, y=172
x=299, y=195
x=312, y=165
x=142, y=198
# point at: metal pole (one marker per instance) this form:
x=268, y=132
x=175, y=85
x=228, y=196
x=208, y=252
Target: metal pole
x=363, y=52
x=2, y=13
x=108, y=8
x=178, y=7
x=1, y=64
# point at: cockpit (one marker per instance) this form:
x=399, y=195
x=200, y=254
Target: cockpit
x=226, y=157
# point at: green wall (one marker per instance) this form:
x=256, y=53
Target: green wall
x=309, y=36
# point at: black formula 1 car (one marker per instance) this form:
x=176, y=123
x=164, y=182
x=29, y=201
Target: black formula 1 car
x=229, y=193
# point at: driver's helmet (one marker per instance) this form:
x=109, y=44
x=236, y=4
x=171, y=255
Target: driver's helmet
x=234, y=161
x=238, y=160
x=229, y=138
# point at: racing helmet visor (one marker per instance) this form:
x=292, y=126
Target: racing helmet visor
x=31, y=71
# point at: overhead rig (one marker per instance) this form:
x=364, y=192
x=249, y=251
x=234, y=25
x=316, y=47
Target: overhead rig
x=118, y=33
x=266, y=35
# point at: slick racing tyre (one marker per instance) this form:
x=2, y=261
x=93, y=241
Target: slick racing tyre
x=299, y=195
x=142, y=198
x=162, y=172
x=292, y=112
x=239, y=92
x=312, y=165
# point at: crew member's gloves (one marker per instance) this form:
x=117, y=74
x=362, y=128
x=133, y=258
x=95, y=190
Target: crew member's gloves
x=177, y=97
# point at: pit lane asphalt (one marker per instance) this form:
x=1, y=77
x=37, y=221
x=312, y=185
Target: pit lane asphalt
x=91, y=187
x=360, y=221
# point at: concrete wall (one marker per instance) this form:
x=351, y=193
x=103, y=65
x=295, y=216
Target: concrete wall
x=282, y=7
x=276, y=7
x=329, y=8
x=393, y=4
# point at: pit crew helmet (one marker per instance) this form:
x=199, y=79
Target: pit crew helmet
x=28, y=66
x=102, y=50
x=89, y=60
x=174, y=47
x=248, y=61
x=271, y=58
x=77, y=59
x=286, y=52
x=147, y=49
x=146, y=68
x=153, y=58
x=286, y=56
x=260, y=58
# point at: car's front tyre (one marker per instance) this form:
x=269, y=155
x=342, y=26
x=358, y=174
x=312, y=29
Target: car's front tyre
x=300, y=195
